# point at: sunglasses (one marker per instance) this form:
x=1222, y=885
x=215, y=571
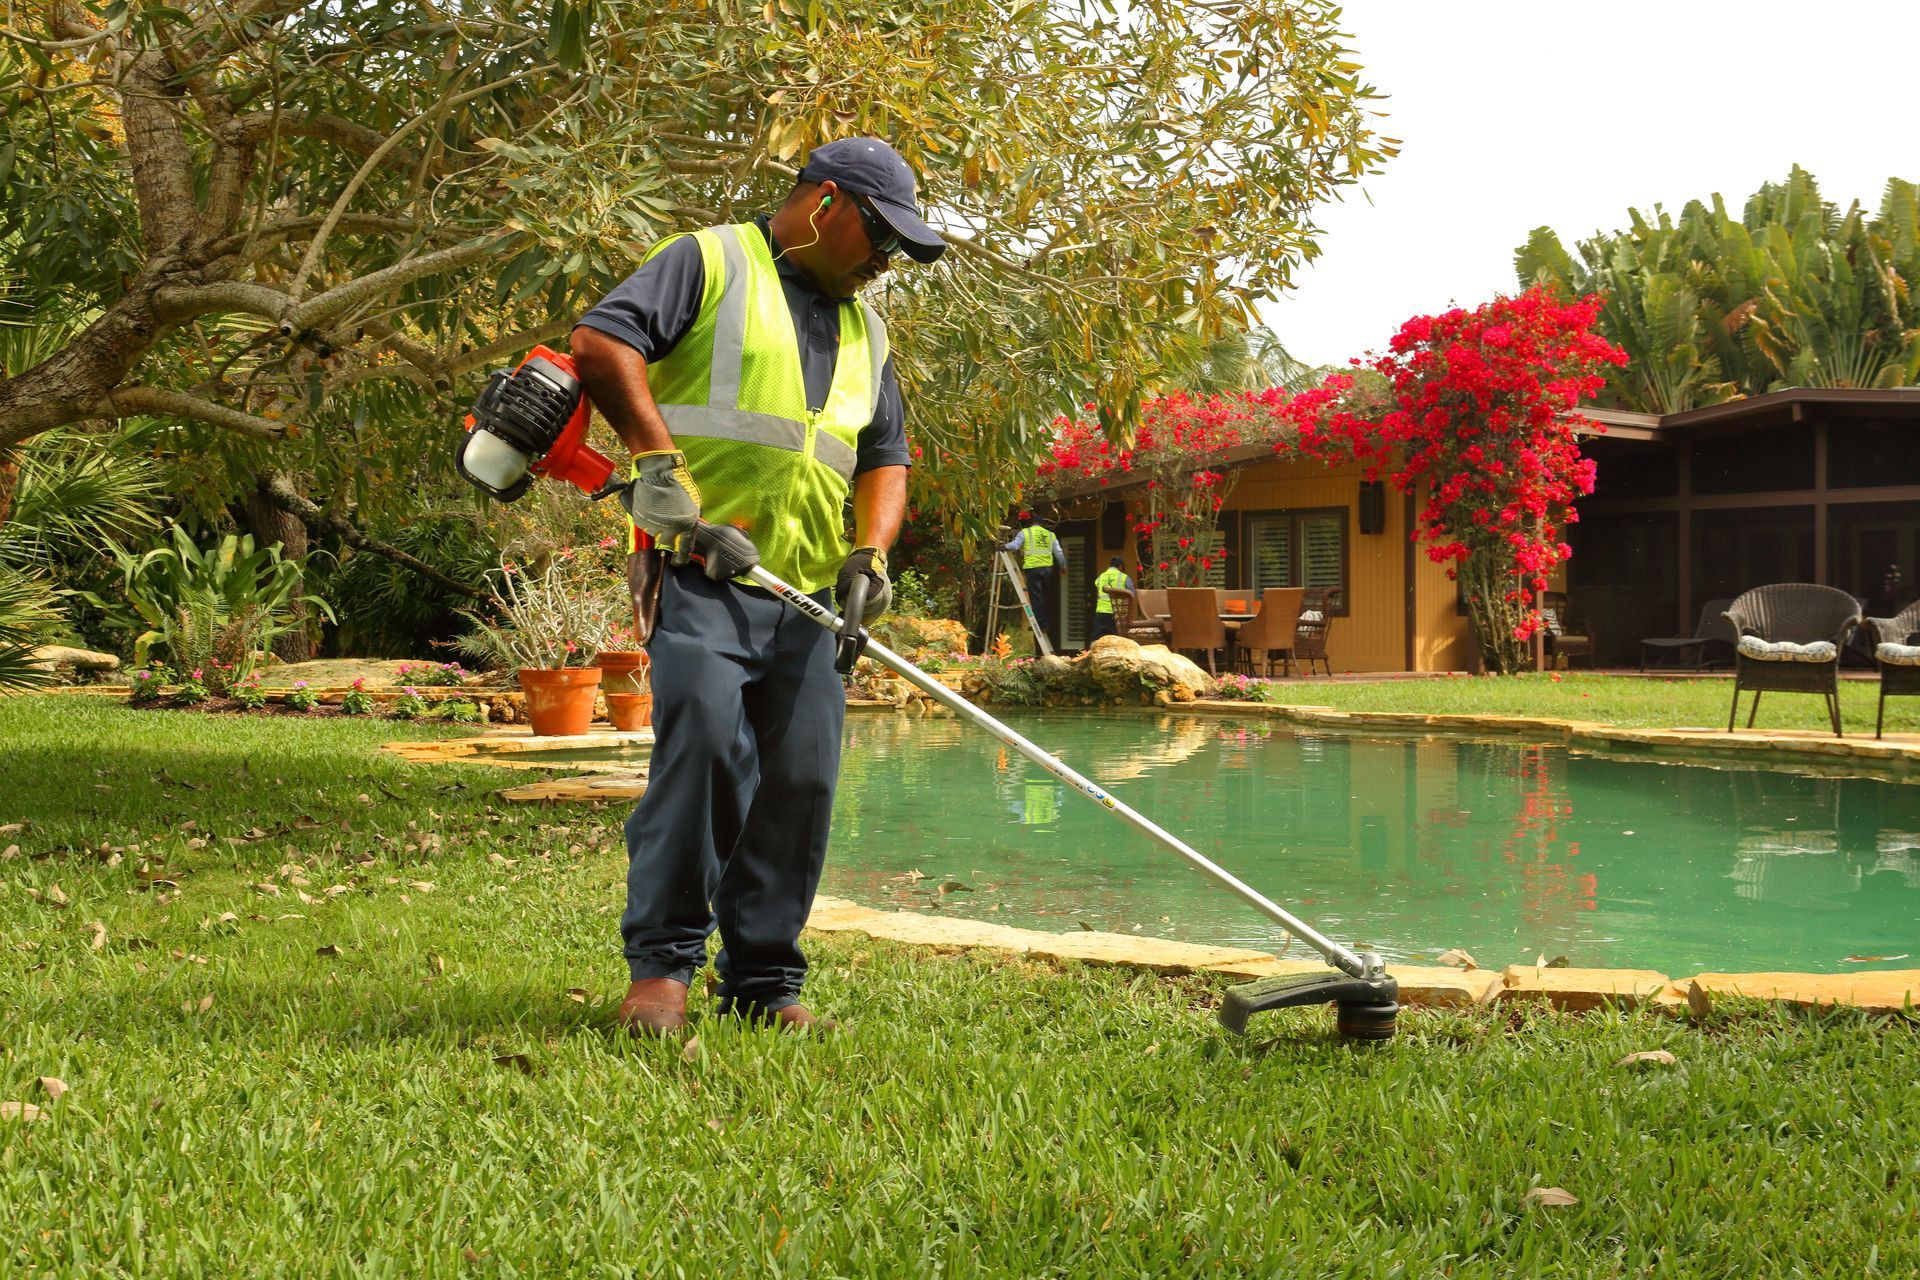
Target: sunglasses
x=881, y=236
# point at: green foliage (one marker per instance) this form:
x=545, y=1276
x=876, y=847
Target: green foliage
x=558, y=617
x=300, y=697
x=357, y=701
x=249, y=693
x=461, y=711
x=386, y=608
x=366, y=207
x=27, y=613
x=224, y=603
x=408, y=706
x=191, y=691
x=1794, y=292
x=144, y=685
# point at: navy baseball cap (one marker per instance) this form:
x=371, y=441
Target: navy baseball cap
x=871, y=168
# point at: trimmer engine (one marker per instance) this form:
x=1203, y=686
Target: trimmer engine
x=531, y=421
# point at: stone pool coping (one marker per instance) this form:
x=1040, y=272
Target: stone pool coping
x=1576, y=990
x=1896, y=752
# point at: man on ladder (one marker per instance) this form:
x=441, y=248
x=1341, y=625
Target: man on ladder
x=1040, y=552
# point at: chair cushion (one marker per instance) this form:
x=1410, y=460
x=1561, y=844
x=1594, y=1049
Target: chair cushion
x=1898, y=655
x=1787, y=651
x=1313, y=615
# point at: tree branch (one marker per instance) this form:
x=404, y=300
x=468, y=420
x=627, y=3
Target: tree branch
x=127, y=402
x=281, y=493
x=335, y=302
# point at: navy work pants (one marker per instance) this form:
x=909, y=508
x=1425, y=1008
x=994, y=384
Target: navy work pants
x=1040, y=596
x=732, y=830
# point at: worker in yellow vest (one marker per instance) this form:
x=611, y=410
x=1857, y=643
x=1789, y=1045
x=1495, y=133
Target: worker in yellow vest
x=1109, y=589
x=1040, y=554
x=756, y=392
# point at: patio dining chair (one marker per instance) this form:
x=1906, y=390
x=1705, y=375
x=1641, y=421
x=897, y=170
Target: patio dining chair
x=1712, y=636
x=1196, y=623
x=1146, y=623
x=1271, y=631
x=1563, y=639
x=1790, y=638
x=1897, y=654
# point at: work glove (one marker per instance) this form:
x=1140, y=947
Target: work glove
x=726, y=551
x=663, y=501
x=869, y=563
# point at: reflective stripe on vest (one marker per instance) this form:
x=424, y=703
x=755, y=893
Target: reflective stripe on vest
x=1038, y=549
x=733, y=395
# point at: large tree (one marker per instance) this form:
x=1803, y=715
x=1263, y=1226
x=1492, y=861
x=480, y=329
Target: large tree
x=298, y=232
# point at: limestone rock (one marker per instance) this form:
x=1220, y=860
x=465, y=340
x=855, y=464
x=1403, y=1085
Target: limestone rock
x=1881, y=990
x=1579, y=990
x=1120, y=666
x=74, y=662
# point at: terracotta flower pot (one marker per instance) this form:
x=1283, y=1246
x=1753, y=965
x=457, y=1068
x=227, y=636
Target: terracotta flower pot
x=630, y=711
x=559, y=703
x=621, y=669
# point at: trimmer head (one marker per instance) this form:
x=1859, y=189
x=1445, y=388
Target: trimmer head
x=1367, y=1007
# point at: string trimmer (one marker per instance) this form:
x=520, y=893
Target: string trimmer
x=532, y=415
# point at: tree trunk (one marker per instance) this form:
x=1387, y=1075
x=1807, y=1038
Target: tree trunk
x=272, y=524
x=9, y=482
x=1494, y=618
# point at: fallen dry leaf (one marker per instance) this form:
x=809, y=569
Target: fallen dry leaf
x=1458, y=958
x=692, y=1050
x=12, y=827
x=518, y=1061
x=25, y=1112
x=328, y=950
x=716, y=1125
x=1698, y=1002
x=267, y=887
x=201, y=1005
x=1872, y=959
x=364, y=798
x=472, y=1256
x=1658, y=1057
x=98, y=942
x=56, y=895
x=954, y=886
x=335, y=890
x=1554, y=1196
x=54, y=1086
x=421, y=886
x=577, y=994
x=437, y=963
x=11, y=852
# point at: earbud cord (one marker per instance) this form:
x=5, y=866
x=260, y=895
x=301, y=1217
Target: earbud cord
x=809, y=244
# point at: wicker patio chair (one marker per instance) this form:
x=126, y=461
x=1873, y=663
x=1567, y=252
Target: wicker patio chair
x=1709, y=635
x=1271, y=631
x=1790, y=638
x=1314, y=625
x=1141, y=625
x=1897, y=653
x=1562, y=638
x=1196, y=623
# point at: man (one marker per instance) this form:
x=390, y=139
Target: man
x=1111, y=587
x=755, y=391
x=1040, y=551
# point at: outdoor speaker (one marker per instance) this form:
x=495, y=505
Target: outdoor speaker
x=1373, y=506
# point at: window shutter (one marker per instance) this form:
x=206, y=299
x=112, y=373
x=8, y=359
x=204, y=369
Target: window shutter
x=1271, y=558
x=1321, y=557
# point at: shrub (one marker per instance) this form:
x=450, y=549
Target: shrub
x=358, y=702
x=300, y=697
x=408, y=706
x=143, y=686
x=191, y=691
x=388, y=608
x=559, y=617
x=1235, y=687
x=432, y=674
x=461, y=711
x=249, y=694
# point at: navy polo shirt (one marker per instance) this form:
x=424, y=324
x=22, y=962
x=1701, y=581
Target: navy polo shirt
x=652, y=309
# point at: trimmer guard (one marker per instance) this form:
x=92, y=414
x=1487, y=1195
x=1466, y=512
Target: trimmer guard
x=1367, y=1006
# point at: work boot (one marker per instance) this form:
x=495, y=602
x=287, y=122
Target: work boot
x=792, y=1017
x=654, y=1007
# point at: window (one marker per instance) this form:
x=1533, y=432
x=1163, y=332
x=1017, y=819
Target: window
x=1299, y=549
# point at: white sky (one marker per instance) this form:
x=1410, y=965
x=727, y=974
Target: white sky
x=1515, y=114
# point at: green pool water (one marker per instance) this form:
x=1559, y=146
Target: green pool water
x=1411, y=844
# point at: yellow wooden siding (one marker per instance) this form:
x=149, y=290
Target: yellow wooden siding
x=1371, y=636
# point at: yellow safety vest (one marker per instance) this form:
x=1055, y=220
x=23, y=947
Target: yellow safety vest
x=734, y=397
x=1038, y=548
x=1102, y=602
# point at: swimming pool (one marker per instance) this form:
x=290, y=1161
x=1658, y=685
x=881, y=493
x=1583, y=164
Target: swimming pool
x=1409, y=844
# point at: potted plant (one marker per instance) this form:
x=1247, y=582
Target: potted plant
x=547, y=627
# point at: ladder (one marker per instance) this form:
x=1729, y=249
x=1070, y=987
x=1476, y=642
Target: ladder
x=1004, y=564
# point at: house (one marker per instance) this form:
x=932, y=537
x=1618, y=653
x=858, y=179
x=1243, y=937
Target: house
x=1803, y=485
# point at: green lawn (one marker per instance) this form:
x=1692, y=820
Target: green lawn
x=408, y=1081
x=1623, y=700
